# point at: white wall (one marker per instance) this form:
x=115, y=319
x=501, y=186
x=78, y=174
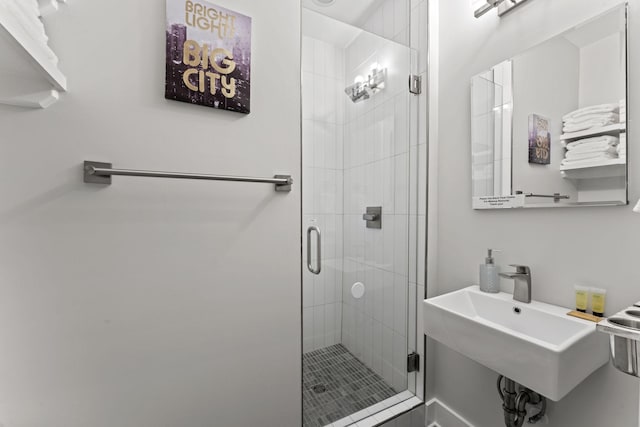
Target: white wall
x=596, y=246
x=322, y=138
x=149, y=302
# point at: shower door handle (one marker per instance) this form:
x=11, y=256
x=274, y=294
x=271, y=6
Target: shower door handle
x=318, y=268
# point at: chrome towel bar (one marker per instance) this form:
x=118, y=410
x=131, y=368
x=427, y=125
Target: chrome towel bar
x=555, y=196
x=101, y=173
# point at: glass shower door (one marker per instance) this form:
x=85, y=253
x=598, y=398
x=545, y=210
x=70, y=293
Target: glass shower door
x=358, y=163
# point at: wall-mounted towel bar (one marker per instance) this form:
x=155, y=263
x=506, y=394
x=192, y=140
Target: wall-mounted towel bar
x=101, y=173
x=556, y=196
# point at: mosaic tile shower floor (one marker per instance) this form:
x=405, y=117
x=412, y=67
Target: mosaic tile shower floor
x=349, y=386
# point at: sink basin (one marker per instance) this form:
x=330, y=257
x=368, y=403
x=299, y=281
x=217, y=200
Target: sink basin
x=537, y=345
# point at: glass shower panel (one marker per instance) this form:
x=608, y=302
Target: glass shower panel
x=357, y=138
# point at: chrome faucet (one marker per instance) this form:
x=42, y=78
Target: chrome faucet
x=522, y=287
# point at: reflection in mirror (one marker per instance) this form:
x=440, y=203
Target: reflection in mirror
x=549, y=125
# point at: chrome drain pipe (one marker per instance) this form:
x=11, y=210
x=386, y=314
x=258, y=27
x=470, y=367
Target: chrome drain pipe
x=514, y=403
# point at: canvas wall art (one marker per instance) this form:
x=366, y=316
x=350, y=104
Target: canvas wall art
x=208, y=55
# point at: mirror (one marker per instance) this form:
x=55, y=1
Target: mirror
x=549, y=125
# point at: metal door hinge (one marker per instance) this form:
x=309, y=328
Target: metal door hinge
x=413, y=362
x=415, y=84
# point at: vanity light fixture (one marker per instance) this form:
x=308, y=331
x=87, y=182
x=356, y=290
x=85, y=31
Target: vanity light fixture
x=503, y=6
x=637, y=208
x=365, y=88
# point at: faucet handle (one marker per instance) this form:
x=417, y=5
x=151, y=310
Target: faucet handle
x=521, y=269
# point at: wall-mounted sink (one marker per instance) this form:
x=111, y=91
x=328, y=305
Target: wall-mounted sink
x=537, y=344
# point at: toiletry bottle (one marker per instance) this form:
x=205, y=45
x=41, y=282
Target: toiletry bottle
x=582, y=298
x=598, y=301
x=490, y=274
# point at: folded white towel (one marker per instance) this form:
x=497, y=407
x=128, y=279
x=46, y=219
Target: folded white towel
x=611, y=140
x=569, y=128
x=581, y=155
x=591, y=158
x=603, y=108
x=590, y=117
x=594, y=146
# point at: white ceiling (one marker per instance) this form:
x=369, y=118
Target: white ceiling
x=350, y=11
x=332, y=31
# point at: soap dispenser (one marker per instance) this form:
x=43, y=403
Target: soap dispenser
x=490, y=274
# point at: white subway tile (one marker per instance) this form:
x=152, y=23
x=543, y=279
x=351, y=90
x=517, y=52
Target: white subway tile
x=307, y=288
x=388, y=19
x=318, y=327
x=376, y=351
x=400, y=15
x=400, y=302
x=421, y=250
x=401, y=124
x=401, y=246
x=308, y=95
x=319, y=55
x=388, y=292
x=388, y=186
x=307, y=54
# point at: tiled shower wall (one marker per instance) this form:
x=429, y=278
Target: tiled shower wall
x=376, y=173
x=372, y=324
x=323, y=129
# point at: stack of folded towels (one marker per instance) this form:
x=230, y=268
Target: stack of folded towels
x=591, y=150
x=591, y=117
x=623, y=111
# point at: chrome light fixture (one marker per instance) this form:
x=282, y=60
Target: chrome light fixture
x=365, y=88
x=503, y=6
x=487, y=7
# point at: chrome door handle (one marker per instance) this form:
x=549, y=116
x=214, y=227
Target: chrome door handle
x=318, y=268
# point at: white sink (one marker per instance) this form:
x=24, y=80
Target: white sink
x=540, y=347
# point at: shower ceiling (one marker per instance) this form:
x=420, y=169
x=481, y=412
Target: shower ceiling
x=349, y=11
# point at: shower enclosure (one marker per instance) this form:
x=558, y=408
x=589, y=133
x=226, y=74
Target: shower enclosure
x=360, y=171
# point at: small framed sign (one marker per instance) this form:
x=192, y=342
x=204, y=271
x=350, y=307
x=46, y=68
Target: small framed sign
x=208, y=55
x=539, y=140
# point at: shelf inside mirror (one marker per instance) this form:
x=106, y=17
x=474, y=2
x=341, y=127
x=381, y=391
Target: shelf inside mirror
x=613, y=129
x=601, y=169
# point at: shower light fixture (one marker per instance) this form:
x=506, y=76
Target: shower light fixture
x=503, y=6
x=363, y=88
x=490, y=4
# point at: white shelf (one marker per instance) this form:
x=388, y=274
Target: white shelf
x=600, y=169
x=29, y=77
x=614, y=129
